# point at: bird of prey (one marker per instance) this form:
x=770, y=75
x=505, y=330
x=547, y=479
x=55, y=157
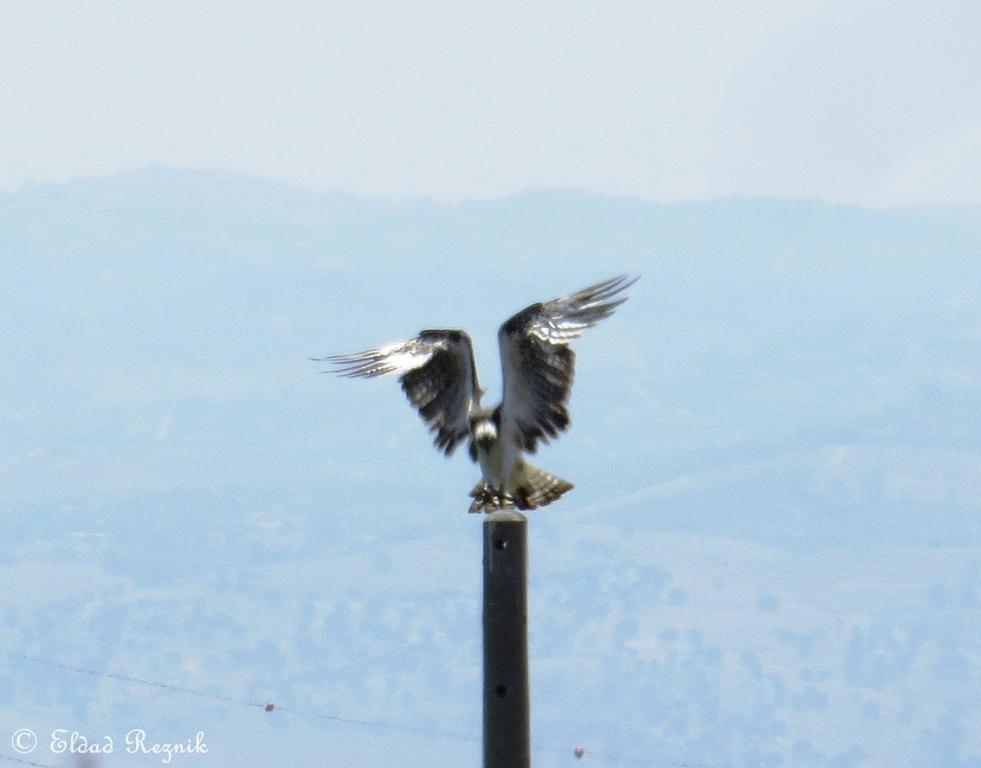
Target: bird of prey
x=439, y=376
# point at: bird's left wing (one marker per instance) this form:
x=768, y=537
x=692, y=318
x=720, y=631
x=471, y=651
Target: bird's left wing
x=538, y=364
x=438, y=376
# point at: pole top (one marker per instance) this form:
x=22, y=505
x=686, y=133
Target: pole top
x=505, y=516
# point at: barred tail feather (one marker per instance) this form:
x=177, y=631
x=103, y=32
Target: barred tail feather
x=529, y=488
x=533, y=487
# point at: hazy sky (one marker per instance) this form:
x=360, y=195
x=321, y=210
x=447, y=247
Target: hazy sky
x=869, y=102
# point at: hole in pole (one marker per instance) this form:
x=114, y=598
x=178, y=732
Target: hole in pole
x=501, y=691
x=500, y=544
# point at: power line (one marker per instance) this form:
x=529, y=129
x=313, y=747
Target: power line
x=21, y=761
x=265, y=706
x=579, y=754
x=136, y=680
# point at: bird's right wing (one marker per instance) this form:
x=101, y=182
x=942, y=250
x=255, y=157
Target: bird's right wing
x=538, y=363
x=438, y=375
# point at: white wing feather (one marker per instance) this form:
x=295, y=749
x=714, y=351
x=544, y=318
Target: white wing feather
x=538, y=365
x=438, y=376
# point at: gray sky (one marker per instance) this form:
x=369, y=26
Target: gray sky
x=867, y=102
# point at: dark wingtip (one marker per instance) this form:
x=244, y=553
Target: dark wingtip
x=321, y=360
x=606, y=289
x=617, y=284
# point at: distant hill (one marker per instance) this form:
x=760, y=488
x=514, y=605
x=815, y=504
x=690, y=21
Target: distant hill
x=788, y=372
x=770, y=557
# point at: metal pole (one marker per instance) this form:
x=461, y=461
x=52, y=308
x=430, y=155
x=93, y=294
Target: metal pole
x=507, y=726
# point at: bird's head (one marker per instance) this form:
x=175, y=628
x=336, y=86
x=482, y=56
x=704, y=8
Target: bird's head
x=485, y=433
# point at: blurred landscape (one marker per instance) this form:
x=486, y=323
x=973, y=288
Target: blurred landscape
x=770, y=558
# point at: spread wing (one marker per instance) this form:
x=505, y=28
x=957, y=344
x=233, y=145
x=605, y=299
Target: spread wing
x=538, y=363
x=438, y=375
